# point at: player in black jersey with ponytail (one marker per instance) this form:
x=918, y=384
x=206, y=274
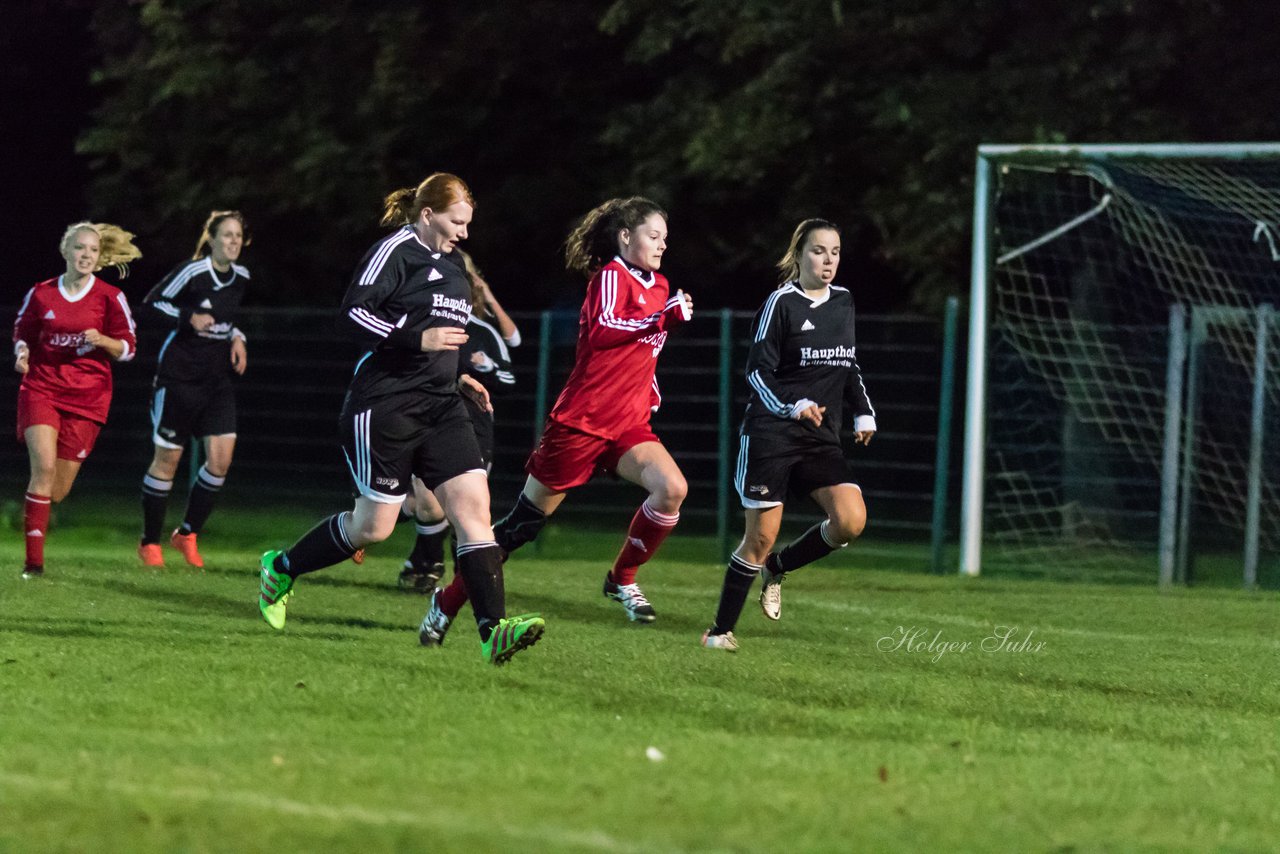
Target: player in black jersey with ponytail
x=804, y=381
x=403, y=415
x=193, y=394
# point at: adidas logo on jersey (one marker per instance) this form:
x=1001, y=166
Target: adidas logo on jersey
x=206, y=304
x=83, y=453
x=806, y=327
x=642, y=299
x=48, y=315
x=434, y=275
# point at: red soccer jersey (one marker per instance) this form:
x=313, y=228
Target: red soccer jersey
x=61, y=366
x=621, y=330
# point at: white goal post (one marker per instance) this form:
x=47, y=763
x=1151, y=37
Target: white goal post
x=1164, y=224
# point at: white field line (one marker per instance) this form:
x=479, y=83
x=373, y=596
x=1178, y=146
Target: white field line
x=904, y=616
x=550, y=835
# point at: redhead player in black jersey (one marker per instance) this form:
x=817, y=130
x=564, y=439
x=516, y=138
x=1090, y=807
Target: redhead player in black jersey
x=193, y=395
x=68, y=332
x=804, y=378
x=600, y=421
x=404, y=417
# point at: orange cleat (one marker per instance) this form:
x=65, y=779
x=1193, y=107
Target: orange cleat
x=358, y=557
x=186, y=543
x=151, y=555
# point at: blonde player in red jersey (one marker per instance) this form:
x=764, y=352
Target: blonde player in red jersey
x=67, y=333
x=600, y=422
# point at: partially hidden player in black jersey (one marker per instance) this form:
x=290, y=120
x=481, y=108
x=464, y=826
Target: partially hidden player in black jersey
x=403, y=415
x=193, y=394
x=485, y=357
x=804, y=380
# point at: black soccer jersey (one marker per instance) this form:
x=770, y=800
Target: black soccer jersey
x=401, y=288
x=192, y=288
x=492, y=365
x=802, y=352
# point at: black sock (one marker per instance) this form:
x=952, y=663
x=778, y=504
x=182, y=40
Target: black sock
x=428, y=549
x=155, y=495
x=480, y=565
x=520, y=526
x=200, y=502
x=738, y=579
x=808, y=547
x=324, y=545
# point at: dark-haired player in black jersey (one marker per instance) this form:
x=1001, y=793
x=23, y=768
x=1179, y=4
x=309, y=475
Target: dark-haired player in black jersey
x=804, y=381
x=404, y=417
x=193, y=394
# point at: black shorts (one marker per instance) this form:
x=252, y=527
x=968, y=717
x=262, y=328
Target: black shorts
x=180, y=411
x=768, y=468
x=385, y=442
x=483, y=423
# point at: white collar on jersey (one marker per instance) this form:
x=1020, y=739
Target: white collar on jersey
x=813, y=302
x=635, y=273
x=83, y=291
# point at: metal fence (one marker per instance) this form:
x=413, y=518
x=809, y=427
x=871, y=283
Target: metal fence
x=287, y=451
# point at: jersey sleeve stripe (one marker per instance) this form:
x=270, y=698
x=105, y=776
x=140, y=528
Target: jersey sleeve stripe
x=767, y=397
x=374, y=324
x=609, y=302
x=767, y=316
x=180, y=281
x=379, y=259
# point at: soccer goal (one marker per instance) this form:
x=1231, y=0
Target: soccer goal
x=1123, y=396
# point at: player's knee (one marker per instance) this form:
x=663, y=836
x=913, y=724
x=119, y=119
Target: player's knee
x=847, y=525
x=370, y=531
x=671, y=494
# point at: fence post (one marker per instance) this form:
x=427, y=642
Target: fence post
x=726, y=421
x=544, y=371
x=942, y=460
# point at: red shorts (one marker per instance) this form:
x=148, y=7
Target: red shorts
x=76, y=434
x=566, y=457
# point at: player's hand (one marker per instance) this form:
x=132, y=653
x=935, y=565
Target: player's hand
x=442, y=338
x=863, y=437
x=94, y=338
x=688, y=303
x=239, y=356
x=472, y=388
x=201, y=321
x=812, y=413
x=20, y=360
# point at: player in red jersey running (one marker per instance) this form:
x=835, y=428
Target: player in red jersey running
x=600, y=422
x=67, y=333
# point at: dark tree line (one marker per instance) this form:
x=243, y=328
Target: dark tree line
x=740, y=117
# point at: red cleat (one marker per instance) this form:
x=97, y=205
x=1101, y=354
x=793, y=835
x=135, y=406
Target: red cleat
x=186, y=543
x=151, y=555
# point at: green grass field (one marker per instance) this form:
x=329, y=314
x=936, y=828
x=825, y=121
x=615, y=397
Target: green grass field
x=155, y=711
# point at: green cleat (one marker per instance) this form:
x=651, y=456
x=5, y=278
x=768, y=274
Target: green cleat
x=511, y=635
x=274, y=590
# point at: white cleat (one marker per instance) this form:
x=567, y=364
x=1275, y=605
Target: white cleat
x=771, y=593
x=726, y=641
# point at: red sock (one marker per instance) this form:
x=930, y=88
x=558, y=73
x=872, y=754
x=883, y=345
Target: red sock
x=36, y=523
x=453, y=597
x=648, y=530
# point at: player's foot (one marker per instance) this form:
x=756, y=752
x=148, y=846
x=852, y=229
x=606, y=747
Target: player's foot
x=633, y=600
x=726, y=641
x=274, y=589
x=435, y=624
x=151, y=555
x=420, y=578
x=511, y=635
x=32, y=570
x=186, y=543
x=358, y=557
x=771, y=578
